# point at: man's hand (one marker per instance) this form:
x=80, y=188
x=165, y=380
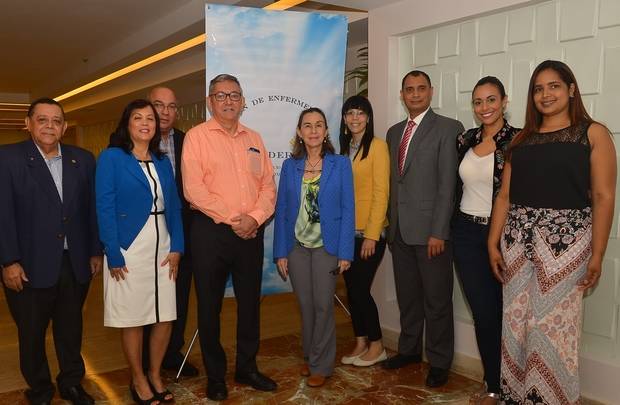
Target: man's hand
x=96, y=264
x=244, y=226
x=13, y=277
x=435, y=247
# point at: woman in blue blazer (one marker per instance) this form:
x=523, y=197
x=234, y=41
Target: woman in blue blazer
x=139, y=214
x=314, y=236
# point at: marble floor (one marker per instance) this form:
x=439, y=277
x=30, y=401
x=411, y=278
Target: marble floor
x=280, y=358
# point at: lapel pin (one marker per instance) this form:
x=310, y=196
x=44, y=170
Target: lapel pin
x=73, y=161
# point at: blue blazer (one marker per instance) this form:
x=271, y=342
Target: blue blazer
x=124, y=202
x=336, y=206
x=34, y=221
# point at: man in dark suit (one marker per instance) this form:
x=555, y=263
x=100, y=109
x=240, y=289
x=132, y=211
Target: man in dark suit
x=49, y=249
x=422, y=182
x=165, y=102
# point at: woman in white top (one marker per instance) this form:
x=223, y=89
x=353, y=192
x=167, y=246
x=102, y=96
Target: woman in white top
x=481, y=162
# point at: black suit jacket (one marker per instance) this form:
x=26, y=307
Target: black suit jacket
x=35, y=221
x=178, y=137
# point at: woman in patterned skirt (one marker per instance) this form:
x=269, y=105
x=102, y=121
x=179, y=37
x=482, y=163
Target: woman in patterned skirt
x=551, y=220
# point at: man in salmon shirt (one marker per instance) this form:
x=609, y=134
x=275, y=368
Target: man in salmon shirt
x=228, y=181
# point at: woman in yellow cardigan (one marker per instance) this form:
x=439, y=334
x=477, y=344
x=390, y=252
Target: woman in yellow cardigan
x=371, y=173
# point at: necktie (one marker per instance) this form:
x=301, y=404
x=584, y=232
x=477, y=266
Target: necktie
x=402, y=149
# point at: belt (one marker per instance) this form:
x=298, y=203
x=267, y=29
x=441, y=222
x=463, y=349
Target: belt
x=158, y=212
x=475, y=219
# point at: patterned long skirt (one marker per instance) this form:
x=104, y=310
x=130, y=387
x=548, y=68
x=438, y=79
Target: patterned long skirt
x=546, y=252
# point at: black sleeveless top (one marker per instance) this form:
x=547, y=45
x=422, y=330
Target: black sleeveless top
x=552, y=169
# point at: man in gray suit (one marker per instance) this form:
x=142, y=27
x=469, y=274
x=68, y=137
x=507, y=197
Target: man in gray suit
x=423, y=178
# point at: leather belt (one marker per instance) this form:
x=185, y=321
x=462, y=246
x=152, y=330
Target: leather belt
x=475, y=219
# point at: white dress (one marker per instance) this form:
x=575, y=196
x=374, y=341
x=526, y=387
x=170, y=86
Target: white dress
x=147, y=295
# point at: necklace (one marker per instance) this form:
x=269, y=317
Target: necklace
x=313, y=166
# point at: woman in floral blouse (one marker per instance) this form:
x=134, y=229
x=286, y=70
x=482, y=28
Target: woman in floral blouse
x=481, y=162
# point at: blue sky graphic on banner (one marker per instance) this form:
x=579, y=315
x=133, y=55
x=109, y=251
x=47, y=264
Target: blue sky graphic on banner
x=286, y=61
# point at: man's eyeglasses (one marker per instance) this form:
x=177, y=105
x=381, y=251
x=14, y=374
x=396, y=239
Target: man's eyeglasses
x=221, y=96
x=161, y=107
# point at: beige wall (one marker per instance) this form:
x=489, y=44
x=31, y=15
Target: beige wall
x=12, y=136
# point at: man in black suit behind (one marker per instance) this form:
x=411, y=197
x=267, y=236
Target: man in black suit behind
x=165, y=102
x=422, y=184
x=49, y=249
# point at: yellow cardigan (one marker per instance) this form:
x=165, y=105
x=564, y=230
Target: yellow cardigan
x=371, y=182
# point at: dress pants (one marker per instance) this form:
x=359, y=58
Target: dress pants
x=314, y=286
x=218, y=252
x=483, y=293
x=424, y=294
x=32, y=309
x=173, y=354
x=358, y=280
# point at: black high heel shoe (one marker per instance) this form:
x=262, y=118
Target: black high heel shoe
x=138, y=400
x=160, y=396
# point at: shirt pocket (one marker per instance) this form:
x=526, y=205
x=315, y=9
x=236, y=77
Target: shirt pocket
x=255, y=162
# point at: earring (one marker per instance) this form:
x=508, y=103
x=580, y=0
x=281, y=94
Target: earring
x=346, y=130
x=300, y=140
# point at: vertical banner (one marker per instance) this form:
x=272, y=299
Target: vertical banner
x=286, y=61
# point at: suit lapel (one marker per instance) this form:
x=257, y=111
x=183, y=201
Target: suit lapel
x=134, y=168
x=425, y=126
x=328, y=167
x=40, y=172
x=70, y=167
x=298, y=176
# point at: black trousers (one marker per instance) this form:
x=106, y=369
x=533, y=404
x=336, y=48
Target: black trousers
x=173, y=354
x=424, y=294
x=358, y=280
x=32, y=309
x=217, y=253
x=483, y=293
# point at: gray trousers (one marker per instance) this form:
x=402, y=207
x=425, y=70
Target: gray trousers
x=314, y=287
x=424, y=294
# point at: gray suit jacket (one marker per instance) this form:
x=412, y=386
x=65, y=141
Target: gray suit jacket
x=422, y=199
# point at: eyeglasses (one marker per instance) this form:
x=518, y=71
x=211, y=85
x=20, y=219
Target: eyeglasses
x=161, y=107
x=355, y=113
x=221, y=96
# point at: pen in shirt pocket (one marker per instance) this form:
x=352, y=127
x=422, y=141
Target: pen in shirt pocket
x=252, y=149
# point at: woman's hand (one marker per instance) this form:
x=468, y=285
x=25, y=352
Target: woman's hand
x=118, y=273
x=282, y=264
x=498, y=266
x=344, y=265
x=593, y=273
x=172, y=260
x=368, y=248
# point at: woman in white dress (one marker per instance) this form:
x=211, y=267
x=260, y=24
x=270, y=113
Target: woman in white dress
x=139, y=215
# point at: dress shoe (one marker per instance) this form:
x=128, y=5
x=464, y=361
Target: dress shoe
x=164, y=396
x=257, y=381
x=350, y=359
x=305, y=370
x=217, y=391
x=137, y=399
x=77, y=395
x=316, y=381
x=400, y=360
x=436, y=377
x=189, y=370
x=367, y=363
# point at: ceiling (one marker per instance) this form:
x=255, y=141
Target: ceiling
x=52, y=47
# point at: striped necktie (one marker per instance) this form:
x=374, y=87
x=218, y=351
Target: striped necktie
x=402, y=149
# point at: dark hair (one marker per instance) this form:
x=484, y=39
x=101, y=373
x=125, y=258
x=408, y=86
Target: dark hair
x=120, y=138
x=416, y=73
x=224, y=77
x=45, y=100
x=492, y=80
x=533, y=118
x=356, y=103
x=299, y=151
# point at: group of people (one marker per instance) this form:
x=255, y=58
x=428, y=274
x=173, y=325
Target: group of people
x=524, y=214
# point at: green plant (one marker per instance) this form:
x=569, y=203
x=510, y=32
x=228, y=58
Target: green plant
x=360, y=72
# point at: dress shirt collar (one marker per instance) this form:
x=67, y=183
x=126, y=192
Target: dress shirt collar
x=45, y=158
x=419, y=118
x=212, y=125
